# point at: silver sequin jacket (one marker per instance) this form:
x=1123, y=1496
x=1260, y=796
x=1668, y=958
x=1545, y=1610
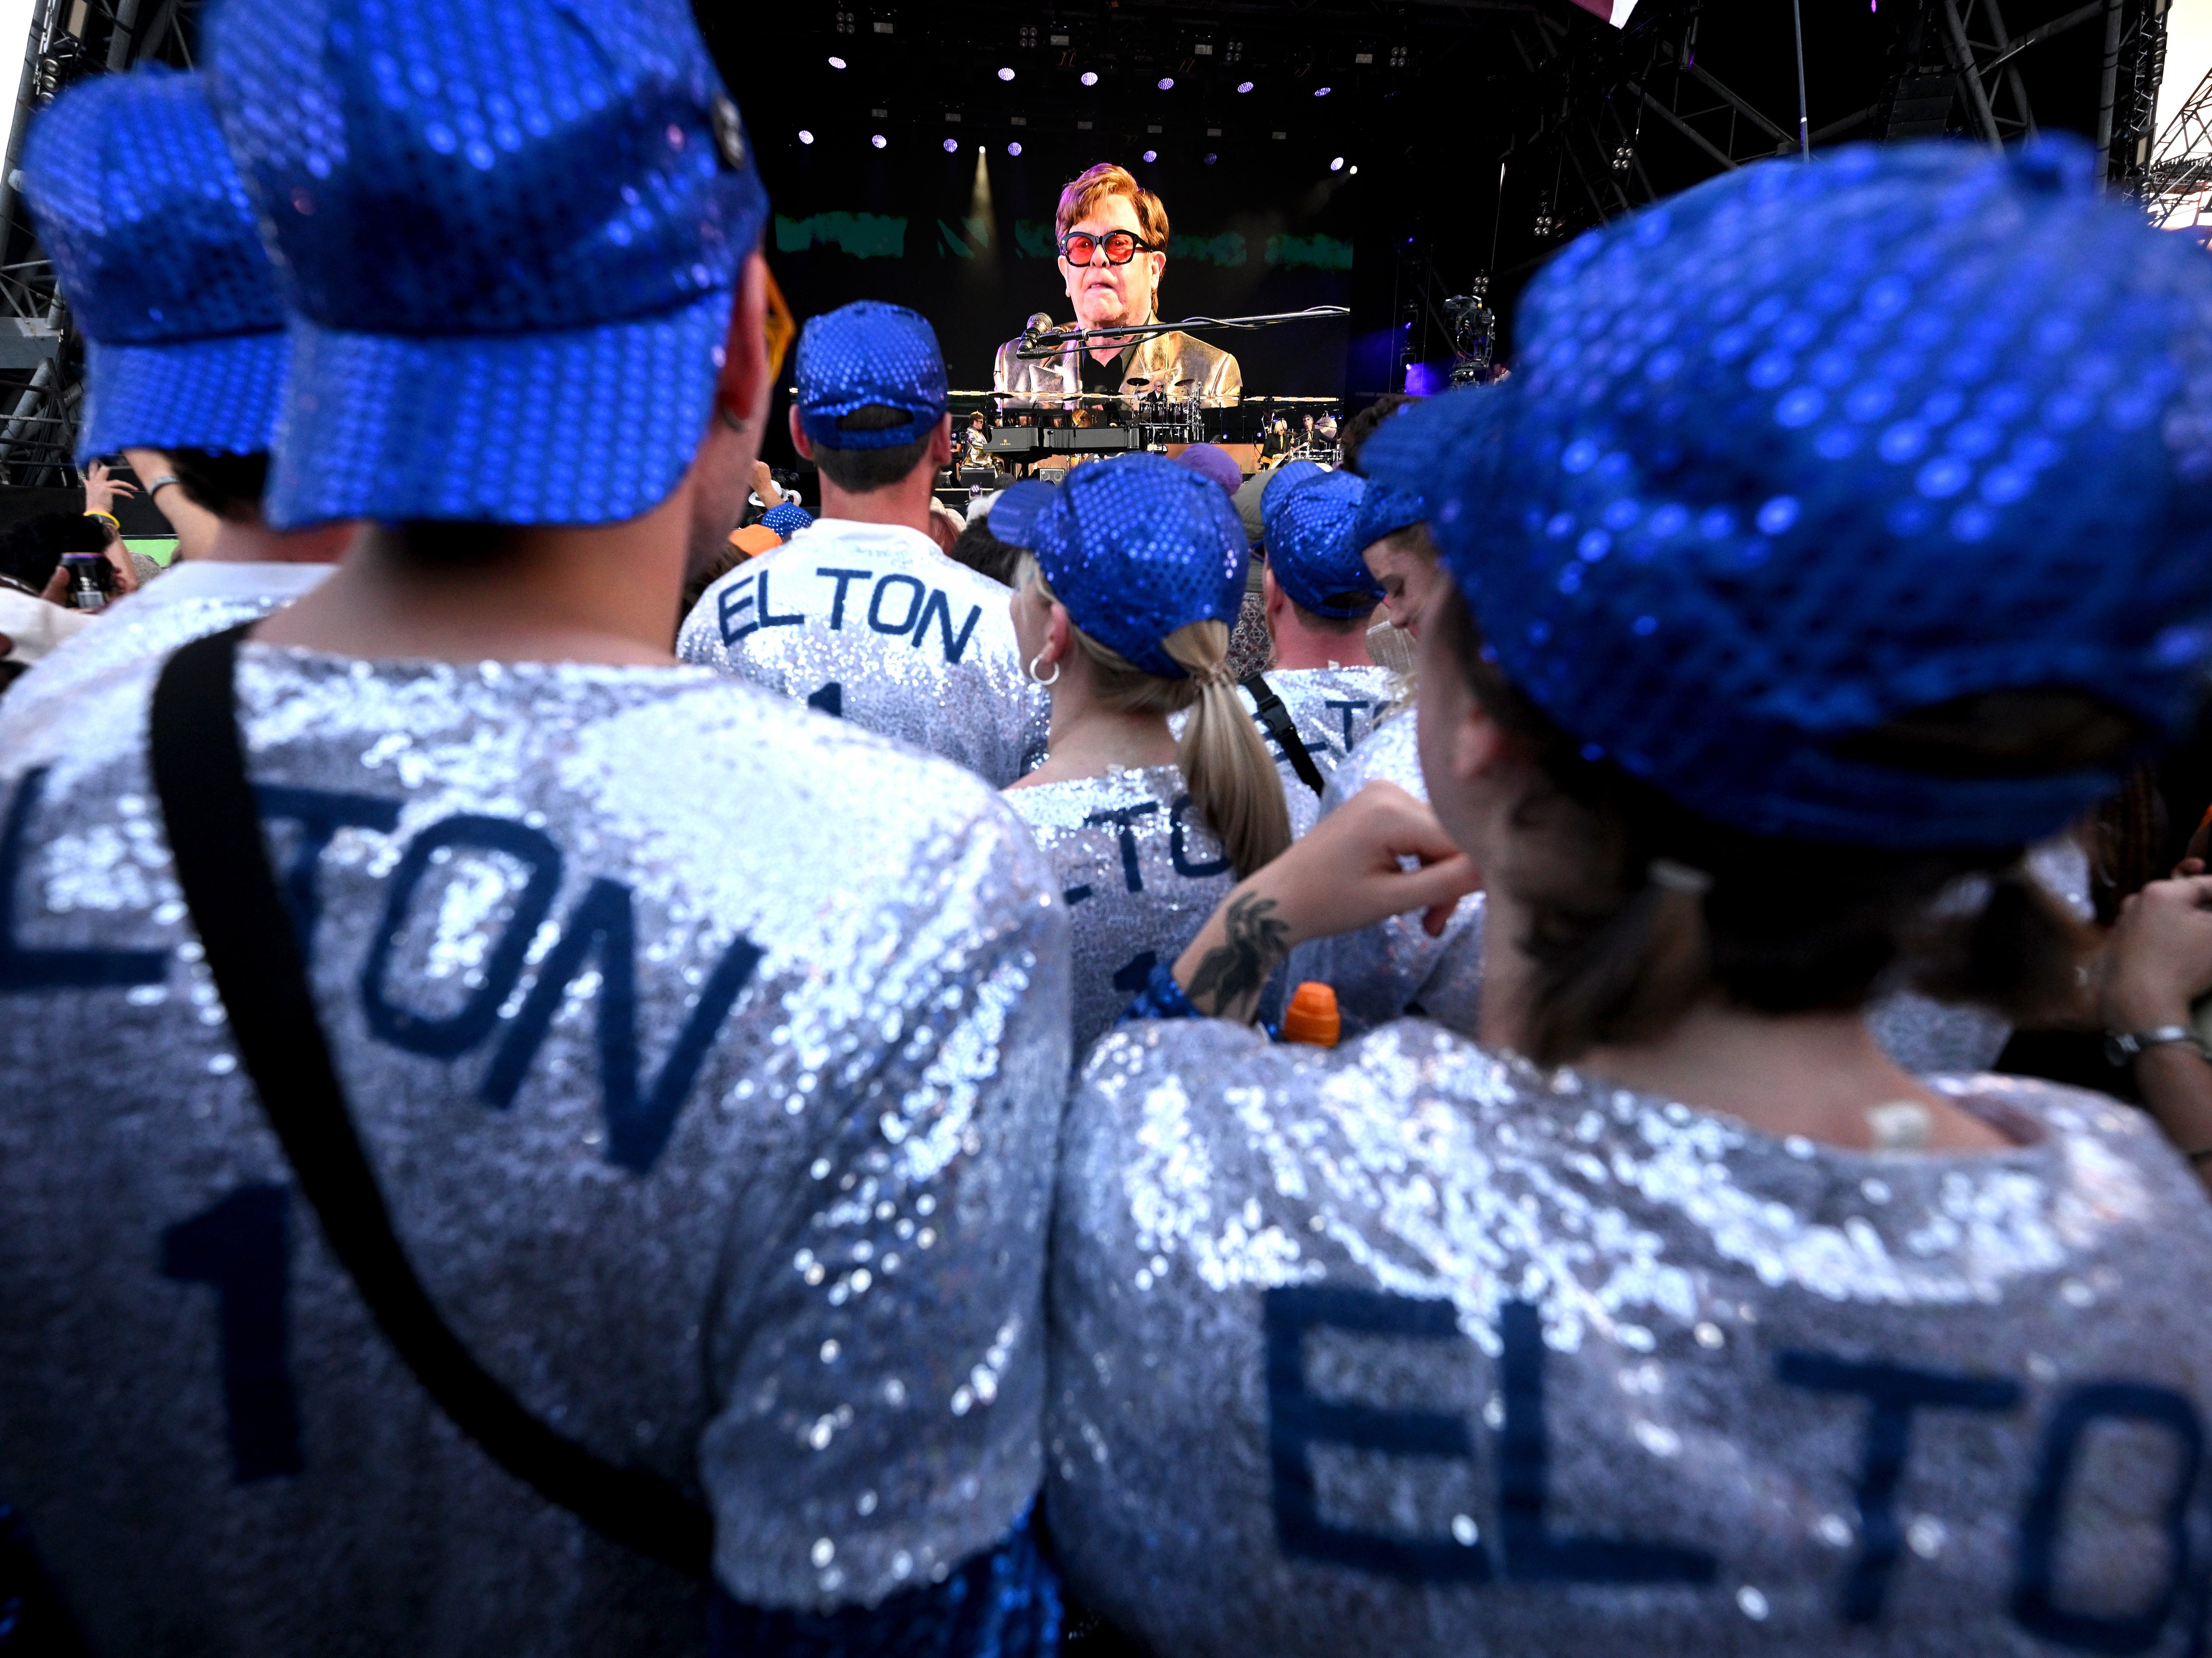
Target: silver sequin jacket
x=1139, y=871
x=873, y=623
x=1406, y=1348
x=709, y=1056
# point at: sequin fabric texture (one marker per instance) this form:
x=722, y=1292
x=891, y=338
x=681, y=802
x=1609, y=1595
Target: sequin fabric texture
x=510, y=233
x=126, y=631
x=869, y=353
x=1395, y=968
x=1402, y=1347
x=1385, y=509
x=1137, y=547
x=154, y=243
x=871, y=622
x=1140, y=872
x=1924, y=1035
x=709, y=1056
x=1865, y=466
x=1331, y=708
x=1313, y=549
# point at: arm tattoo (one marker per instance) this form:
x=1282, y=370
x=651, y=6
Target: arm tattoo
x=1230, y=975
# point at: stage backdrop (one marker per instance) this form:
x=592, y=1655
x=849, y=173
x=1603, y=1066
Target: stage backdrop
x=966, y=239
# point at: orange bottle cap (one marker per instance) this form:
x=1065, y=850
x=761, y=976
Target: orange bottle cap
x=1312, y=1016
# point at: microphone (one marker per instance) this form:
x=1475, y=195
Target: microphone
x=1035, y=330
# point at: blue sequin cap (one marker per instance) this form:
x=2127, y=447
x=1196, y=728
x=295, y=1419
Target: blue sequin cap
x=1016, y=509
x=154, y=243
x=788, y=518
x=1313, y=547
x=869, y=353
x=1912, y=423
x=1388, y=507
x=1289, y=473
x=510, y=233
x=1137, y=547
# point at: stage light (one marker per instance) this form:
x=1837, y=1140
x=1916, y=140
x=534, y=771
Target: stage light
x=951, y=144
x=1244, y=86
x=1005, y=74
x=1090, y=77
x=1167, y=83
x=878, y=140
x=1151, y=155
x=1210, y=157
x=1320, y=92
x=1014, y=149
x=805, y=136
x=836, y=63
x=1351, y=170
x=1337, y=166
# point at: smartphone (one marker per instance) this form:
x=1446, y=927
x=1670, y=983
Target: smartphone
x=91, y=579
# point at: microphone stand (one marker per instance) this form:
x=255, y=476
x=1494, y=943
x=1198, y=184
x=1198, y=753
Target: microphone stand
x=1038, y=344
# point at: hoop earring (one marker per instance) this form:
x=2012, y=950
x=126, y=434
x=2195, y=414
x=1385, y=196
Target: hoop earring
x=1039, y=677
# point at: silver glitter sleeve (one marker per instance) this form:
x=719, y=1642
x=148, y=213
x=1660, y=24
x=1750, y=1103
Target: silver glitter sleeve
x=1402, y=1347
x=709, y=1055
x=1393, y=968
x=1139, y=872
x=872, y=623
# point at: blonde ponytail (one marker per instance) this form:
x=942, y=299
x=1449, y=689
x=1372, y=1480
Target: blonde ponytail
x=1225, y=765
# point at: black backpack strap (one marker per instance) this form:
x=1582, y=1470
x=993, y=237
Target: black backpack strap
x=1284, y=730
x=222, y=866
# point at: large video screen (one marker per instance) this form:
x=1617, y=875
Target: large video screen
x=964, y=235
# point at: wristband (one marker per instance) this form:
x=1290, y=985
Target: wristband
x=1162, y=998
x=2124, y=1048
x=161, y=482
x=109, y=518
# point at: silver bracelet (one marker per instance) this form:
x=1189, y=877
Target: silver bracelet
x=161, y=482
x=2124, y=1048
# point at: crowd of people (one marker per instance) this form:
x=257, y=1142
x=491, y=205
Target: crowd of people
x=580, y=1083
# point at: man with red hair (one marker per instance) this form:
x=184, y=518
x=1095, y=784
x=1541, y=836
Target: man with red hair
x=1112, y=234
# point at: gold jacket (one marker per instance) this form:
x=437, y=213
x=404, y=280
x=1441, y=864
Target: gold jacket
x=1174, y=363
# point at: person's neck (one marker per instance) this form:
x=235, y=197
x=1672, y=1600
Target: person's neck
x=905, y=502
x=1815, y=1075
x=255, y=543
x=1087, y=739
x=1303, y=647
x=602, y=593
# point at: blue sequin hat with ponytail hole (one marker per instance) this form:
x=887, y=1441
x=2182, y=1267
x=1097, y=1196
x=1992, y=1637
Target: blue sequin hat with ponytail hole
x=1918, y=422
x=1313, y=546
x=870, y=354
x=1138, y=547
x=154, y=243
x=510, y=234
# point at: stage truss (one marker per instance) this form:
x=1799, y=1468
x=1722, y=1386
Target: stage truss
x=2176, y=184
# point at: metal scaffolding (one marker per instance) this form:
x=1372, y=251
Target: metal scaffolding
x=2176, y=184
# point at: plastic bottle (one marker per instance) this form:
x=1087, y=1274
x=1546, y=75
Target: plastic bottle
x=1312, y=1017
